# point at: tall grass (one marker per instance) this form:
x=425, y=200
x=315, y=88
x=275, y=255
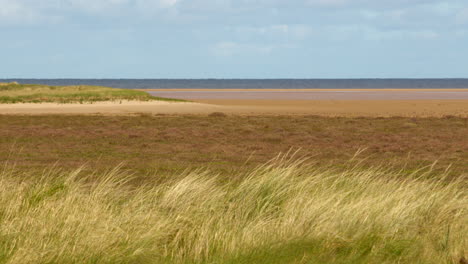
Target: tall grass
x=34, y=93
x=283, y=212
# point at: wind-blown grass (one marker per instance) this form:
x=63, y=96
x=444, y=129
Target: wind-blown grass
x=33, y=93
x=284, y=212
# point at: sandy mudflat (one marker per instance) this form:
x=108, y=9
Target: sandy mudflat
x=421, y=108
x=313, y=94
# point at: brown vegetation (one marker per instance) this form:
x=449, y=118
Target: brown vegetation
x=346, y=108
x=167, y=144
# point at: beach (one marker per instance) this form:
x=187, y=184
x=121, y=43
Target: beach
x=109, y=108
x=323, y=102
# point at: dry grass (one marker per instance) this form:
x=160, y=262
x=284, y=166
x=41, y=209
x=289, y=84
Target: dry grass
x=32, y=93
x=284, y=212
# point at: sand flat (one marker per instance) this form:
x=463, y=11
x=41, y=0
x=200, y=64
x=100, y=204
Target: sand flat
x=419, y=108
x=312, y=94
x=109, y=108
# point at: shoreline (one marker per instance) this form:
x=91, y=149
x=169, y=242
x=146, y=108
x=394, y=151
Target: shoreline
x=303, y=89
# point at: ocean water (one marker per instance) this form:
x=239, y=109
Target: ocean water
x=255, y=83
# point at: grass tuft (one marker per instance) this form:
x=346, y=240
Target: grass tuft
x=282, y=212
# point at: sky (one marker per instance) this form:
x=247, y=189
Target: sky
x=233, y=39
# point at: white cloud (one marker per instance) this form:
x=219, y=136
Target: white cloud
x=95, y=5
x=262, y=30
x=444, y=8
x=16, y=11
x=230, y=48
x=343, y=33
x=9, y=8
x=301, y=31
x=298, y=31
x=327, y=2
x=20, y=11
x=461, y=33
x=149, y=6
x=280, y=28
x=291, y=19
x=225, y=49
x=462, y=16
x=168, y=3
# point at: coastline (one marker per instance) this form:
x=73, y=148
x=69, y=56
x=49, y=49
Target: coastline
x=305, y=89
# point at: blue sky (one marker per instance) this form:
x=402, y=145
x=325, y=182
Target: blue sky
x=233, y=38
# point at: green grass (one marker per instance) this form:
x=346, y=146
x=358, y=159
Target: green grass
x=283, y=212
x=32, y=93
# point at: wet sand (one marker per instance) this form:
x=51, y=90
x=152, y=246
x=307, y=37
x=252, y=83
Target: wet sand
x=373, y=108
x=312, y=94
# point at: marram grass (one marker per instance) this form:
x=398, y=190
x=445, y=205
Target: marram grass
x=11, y=93
x=283, y=212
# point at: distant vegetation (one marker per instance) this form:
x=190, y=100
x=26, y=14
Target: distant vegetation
x=282, y=212
x=170, y=143
x=33, y=93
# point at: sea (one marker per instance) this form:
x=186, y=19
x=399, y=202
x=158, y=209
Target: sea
x=255, y=83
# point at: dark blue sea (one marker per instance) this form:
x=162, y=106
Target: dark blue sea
x=255, y=83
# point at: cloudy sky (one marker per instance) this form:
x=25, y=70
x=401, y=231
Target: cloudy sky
x=233, y=38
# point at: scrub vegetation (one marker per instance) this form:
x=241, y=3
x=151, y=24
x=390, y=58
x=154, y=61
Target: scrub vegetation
x=166, y=145
x=283, y=212
x=33, y=93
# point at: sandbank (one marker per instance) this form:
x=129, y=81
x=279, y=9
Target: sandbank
x=349, y=108
x=308, y=94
